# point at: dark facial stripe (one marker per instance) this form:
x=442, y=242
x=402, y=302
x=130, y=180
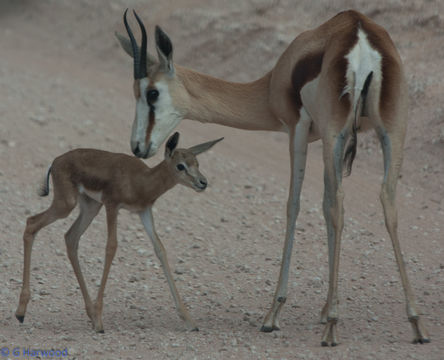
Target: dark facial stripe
x=136, y=89
x=151, y=121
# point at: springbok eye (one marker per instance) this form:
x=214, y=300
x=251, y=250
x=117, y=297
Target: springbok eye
x=152, y=95
x=180, y=167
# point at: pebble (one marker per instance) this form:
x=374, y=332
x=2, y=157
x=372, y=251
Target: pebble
x=179, y=271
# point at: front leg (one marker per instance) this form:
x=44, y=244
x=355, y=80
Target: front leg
x=110, y=252
x=298, y=155
x=148, y=222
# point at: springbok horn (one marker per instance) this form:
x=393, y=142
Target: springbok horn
x=136, y=54
x=143, y=71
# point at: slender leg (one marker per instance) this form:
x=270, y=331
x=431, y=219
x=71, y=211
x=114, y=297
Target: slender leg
x=392, y=150
x=111, y=247
x=334, y=211
x=326, y=205
x=298, y=155
x=57, y=210
x=89, y=208
x=148, y=222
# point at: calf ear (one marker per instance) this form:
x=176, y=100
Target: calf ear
x=171, y=145
x=198, y=149
x=164, y=50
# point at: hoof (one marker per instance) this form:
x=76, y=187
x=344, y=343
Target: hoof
x=101, y=331
x=268, y=329
x=195, y=329
x=421, y=341
x=325, y=343
x=20, y=318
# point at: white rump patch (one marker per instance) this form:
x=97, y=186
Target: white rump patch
x=362, y=59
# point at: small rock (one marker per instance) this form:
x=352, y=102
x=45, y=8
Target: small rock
x=178, y=271
x=39, y=119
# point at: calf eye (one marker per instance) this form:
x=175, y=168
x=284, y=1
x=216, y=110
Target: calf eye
x=180, y=167
x=152, y=95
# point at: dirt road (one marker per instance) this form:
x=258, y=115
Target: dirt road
x=65, y=83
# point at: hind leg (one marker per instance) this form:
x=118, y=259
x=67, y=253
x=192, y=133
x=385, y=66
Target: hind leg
x=392, y=144
x=57, y=210
x=334, y=216
x=89, y=208
x=326, y=204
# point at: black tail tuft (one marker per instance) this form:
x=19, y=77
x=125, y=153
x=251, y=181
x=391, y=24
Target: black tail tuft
x=350, y=152
x=44, y=188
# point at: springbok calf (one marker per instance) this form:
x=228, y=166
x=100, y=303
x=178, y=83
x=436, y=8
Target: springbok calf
x=94, y=178
x=331, y=81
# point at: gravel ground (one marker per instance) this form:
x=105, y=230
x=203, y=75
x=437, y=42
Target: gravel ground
x=65, y=83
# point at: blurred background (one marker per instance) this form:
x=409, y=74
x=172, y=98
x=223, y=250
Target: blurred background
x=66, y=83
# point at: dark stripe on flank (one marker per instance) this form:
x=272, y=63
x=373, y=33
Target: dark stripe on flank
x=305, y=70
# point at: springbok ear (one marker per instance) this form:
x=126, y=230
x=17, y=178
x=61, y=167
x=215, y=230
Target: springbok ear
x=199, y=149
x=164, y=50
x=171, y=144
x=125, y=43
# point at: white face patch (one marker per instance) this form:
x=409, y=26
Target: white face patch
x=166, y=118
x=140, y=123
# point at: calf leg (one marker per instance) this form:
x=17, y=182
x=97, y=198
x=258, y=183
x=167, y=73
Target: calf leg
x=59, y=209
x=89, y=208
x=111, y=247
x=147, y=220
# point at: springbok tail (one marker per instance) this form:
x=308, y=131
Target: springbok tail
x=350, y=153
x=44, y=187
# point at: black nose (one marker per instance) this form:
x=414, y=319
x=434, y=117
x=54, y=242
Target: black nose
x=136, y=150
x=203, y=183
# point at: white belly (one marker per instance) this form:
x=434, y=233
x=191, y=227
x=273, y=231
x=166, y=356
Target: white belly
x=96, y=195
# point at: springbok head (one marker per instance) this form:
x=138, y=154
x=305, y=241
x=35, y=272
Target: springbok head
x=160, y=96
x=183, y=163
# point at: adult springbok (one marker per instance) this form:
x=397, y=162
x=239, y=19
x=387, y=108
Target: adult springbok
x=330, y=82
x=94, y=178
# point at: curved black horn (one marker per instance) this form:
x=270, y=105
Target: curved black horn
x=136, y=54
x=143, y=71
